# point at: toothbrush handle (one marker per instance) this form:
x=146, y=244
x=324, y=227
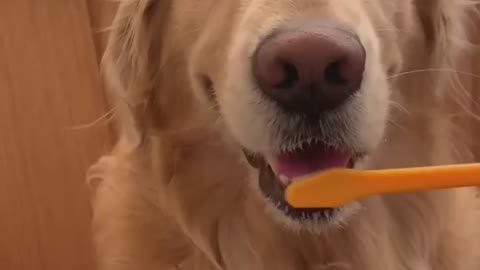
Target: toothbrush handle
x=423, y=178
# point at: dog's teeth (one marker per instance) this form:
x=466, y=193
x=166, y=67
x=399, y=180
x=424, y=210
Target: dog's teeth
x=284, y=179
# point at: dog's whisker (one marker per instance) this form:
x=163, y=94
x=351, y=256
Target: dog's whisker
x=400, y=127
x=392, y=30
x=435, y=70
x=399, y=107
x=464, y=99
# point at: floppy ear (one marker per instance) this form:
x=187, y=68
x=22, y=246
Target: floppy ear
x=125, y=64
x=444, y=25
x=141, y=93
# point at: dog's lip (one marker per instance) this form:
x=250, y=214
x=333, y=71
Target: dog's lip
x=254, y=159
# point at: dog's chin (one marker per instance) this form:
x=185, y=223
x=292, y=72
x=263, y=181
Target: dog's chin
x=276, y=172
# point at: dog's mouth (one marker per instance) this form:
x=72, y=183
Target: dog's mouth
x=277, y=171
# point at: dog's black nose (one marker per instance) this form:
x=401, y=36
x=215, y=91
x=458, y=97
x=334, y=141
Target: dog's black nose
x=310, y=71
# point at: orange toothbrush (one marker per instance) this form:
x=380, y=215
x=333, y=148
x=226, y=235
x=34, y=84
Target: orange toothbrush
x=337, y=187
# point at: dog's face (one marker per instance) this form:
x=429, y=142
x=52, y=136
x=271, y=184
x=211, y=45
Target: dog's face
x=300, y=85
x=302, y=88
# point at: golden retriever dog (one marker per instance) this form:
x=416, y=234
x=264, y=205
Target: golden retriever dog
x=220, y=105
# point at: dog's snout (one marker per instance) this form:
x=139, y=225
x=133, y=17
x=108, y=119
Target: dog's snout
x=310, y=71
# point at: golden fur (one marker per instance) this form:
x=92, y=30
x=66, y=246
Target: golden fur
x=174, y=192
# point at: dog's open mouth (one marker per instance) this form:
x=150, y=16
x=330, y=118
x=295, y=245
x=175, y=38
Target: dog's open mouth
x=277, y=171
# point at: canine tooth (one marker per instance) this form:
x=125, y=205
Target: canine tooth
x=284, y=179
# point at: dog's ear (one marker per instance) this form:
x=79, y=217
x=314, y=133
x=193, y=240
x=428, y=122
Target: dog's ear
x=444, y=26
x=447, y=26
x=132, y=63
x=125, y=64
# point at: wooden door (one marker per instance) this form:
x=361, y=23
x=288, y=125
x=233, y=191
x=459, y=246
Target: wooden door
x=50, y=92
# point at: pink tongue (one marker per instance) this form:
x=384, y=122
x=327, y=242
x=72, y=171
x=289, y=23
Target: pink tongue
x=308, y=161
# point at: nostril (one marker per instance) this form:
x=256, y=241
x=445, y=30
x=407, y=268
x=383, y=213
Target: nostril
x=291, y=76
x=345, y=71
x=333, y=74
